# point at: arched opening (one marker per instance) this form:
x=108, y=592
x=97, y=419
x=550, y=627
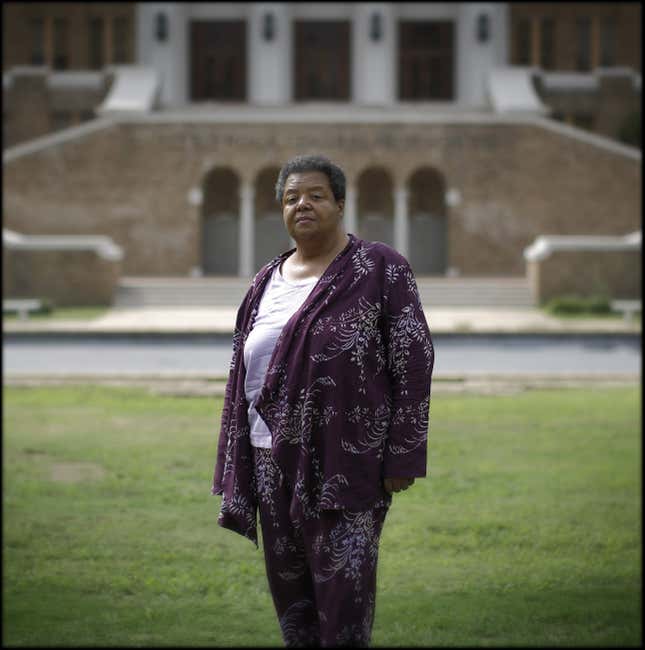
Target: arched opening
x=271, y=237
x=375, y=206
x=220, y=223
x=428, y=250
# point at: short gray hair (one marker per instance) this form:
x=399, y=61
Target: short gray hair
x=312, y=163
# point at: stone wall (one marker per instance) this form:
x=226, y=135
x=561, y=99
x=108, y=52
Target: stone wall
x=608, y=100
x=587, y=273
x=514, y=181
x=33, y=106
x=64, y=277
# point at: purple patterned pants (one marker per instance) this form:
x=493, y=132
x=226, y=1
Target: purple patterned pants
x=322, y=572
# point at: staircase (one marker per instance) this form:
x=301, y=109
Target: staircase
x=496, y=292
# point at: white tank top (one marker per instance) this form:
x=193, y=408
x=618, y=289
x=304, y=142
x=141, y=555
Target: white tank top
x=280, y=301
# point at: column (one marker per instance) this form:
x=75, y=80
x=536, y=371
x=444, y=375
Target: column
x=269, y=55
x=247, y=246
x=350, y=212
x=401, y=221
x=374, y=63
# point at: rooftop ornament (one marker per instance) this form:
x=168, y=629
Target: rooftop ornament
x=483, y=28
x=161, y=27
x=268, y=26
x=376, y=26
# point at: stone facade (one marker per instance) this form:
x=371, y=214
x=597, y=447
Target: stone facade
x=510, y=182
x=616, y=274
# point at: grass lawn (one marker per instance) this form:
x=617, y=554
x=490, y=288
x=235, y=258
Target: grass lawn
x=527, y=530
x=61, y=313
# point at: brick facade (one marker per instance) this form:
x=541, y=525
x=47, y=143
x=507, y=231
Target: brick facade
x=627, y=35
x=66, y=278
x=70, y=44
x=131, y=181
x=33, y=106
x=616, y=274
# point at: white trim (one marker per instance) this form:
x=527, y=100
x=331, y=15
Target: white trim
x=102, y=245
x=76, y=79
x=52, y=139
x=433, y=113
x=570, y=81
x=590, y=138
x=544, y=245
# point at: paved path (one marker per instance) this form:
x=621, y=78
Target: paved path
x=222, y=320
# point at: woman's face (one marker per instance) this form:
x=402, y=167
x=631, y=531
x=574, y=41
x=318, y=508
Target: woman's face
x=309, y=208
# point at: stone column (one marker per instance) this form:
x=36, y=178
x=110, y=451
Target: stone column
x=401, y=221
x=350, y=212
x=247, y=228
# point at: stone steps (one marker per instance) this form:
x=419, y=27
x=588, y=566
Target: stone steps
x=229, y=291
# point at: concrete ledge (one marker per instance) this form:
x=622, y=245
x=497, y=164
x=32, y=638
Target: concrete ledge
x=67, y=270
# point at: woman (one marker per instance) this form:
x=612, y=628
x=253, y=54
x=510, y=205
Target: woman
x=326, y=410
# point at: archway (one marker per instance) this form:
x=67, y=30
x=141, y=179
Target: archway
x=220, y=223
x=428, y=223
x=375, y=206
x=271, y=237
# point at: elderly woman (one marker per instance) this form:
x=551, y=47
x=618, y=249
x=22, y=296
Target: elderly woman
x=326, y=410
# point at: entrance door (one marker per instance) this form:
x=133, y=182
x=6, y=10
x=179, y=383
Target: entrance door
x=426, y=60
x=321, y=60
x=218, y=60
x=428, y=244
x=220, y=238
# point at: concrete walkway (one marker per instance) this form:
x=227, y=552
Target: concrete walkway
x=197, y=320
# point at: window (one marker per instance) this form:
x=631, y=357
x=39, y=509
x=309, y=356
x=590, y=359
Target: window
x=95, y=44
x=523, y=42
x=322, y=60
x=608, y=42
x=37, y=31
x=218, y=60
x=426, y=60
x=583, y=55
x=547, y=44
x=121, y=33
x=60, y=44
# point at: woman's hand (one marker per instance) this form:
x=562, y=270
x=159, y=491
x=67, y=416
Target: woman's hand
x=397, y=484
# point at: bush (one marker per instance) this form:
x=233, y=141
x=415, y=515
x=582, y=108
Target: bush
x=578, y=305
x=46, y=306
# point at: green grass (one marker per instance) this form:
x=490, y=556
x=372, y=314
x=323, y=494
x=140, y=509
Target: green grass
x=61, y=313
x=527, y=530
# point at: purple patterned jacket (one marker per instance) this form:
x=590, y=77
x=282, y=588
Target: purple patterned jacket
x=347, y=391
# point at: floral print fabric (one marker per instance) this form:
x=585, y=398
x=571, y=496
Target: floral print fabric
x=321, y=572
x=346, y=395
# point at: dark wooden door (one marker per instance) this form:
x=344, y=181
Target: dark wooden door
x=218, y=60
x=426, y=60
x=321, y=60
